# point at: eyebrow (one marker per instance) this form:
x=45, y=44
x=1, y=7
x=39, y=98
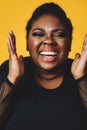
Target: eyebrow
x=59, y=29
x=55, y=30
x=38, y=29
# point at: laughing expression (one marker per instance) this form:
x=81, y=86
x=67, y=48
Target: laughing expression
x=48, y=42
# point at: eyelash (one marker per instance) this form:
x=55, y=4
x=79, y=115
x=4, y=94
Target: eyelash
x=38, y=34
x=60, y=34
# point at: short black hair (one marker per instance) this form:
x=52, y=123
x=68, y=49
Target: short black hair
x=52, y=9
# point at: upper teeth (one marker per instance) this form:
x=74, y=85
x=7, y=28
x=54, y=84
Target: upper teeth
x=48, y=53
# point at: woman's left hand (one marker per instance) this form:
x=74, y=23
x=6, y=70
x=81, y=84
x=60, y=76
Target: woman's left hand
x=79, y=65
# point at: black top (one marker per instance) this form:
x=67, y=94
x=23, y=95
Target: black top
x=37, y=108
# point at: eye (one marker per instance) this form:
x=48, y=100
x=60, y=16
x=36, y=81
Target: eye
x=38, y=34
x=60, y=34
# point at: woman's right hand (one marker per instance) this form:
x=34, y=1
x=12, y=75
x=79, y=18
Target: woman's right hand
x=79, y=65
x=16, y=66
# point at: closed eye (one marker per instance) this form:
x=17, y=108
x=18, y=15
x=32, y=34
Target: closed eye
x=38, y=34
x=60, y=34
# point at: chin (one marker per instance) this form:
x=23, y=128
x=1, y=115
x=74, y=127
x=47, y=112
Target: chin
x=48, y=67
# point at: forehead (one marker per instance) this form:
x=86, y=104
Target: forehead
x=47, y=21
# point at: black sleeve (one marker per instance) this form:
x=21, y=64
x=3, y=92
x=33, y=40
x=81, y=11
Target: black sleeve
x=4, y=68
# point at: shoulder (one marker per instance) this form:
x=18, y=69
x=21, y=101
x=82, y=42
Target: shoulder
x=28, y=63
x=5, y=65
x=68, y=63
x=27, y=60
x=67, y=68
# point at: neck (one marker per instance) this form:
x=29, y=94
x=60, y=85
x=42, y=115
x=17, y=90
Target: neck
x=51, y=82
x=48, y=79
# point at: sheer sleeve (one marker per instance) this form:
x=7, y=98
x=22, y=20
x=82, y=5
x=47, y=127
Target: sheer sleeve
x=83, y=91
x=5, y=91
x=82, y=82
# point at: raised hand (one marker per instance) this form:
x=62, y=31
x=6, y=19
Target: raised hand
x=79, y=65
x=16, y=66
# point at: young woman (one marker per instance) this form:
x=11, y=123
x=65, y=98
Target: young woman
x=46, y=90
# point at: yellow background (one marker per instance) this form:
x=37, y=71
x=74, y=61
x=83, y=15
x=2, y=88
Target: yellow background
x=14, y=15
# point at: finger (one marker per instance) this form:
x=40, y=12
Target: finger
x=21, y=58
x=12, y=46
x=11, y=42
x=13, y=39
x=77, y=56
x=22, y=64
x=84, y=50
x=85, y=43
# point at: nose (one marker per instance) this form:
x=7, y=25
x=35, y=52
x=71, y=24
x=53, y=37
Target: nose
x=49, y=41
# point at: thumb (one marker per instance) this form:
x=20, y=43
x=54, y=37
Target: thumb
x=21, y=58
x=21, y=64
x=77, y=56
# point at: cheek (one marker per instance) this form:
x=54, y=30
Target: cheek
x=66, y=46
x=31, y=44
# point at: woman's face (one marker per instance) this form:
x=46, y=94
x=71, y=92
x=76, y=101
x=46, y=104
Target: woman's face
x=48, y=42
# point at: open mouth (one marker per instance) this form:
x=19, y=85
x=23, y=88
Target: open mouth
x=48, y=53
